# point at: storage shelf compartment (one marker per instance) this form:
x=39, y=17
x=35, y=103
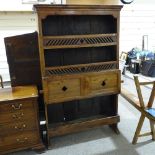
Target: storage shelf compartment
x=71, y=111
x=78, y=41
x=81, y=124
x=59, y=25
x=83, y=68
x=76, y=56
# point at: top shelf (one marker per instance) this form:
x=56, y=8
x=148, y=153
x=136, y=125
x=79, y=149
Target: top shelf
x=79, y=41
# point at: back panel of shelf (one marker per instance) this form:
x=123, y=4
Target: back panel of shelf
x=78, y=25
x=61, y=57
x=78, y=109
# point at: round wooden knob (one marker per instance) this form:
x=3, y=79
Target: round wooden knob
x=103, y=83
x=64, y=88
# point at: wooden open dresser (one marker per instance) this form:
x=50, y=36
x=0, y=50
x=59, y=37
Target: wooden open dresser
x=78, y=47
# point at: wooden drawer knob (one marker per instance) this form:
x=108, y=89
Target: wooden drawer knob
x=16, y=107
x=103, y=83
x=64, y=88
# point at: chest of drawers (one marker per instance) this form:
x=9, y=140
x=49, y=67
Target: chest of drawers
x=19, y=122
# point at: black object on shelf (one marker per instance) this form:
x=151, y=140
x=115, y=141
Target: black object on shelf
x=135, y=66
x=148, y=68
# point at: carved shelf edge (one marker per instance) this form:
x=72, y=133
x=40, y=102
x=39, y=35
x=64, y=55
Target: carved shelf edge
x=78, y=41
x=82, y=68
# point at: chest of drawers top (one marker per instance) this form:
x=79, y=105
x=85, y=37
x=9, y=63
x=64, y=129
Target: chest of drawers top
x=15, y=93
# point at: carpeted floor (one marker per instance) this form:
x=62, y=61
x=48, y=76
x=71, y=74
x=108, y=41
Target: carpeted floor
x=103, y=141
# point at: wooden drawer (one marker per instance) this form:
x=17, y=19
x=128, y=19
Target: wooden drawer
x=16, y=127
x=25, y=139
x=66, y=88
x=105, y=83
x=17, y=105
x=63, y=90
x=17, y=116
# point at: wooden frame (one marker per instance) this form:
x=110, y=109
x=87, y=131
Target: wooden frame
x=65, y=81
x=123, y=56
x=138, y=103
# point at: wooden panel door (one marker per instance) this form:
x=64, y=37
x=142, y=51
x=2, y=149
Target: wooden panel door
x=23, y=59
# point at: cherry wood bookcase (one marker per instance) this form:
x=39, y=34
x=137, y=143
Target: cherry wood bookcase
x=78, y=46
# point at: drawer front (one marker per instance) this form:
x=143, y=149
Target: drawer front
x=108, y=82
x=26, y=139
x=17, y=127
x=16, y=105
x=63, y=90
x=16, y=117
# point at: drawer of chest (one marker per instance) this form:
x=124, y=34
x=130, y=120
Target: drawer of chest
x=17, y=116
x=108, y=82
x=14, y=141
x=63, y=90
x=14, y=127
x=16, y=105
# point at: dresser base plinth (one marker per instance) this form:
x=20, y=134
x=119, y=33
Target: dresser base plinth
x=80, y=125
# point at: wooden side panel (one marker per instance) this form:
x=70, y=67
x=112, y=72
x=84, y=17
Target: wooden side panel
x=23, y=59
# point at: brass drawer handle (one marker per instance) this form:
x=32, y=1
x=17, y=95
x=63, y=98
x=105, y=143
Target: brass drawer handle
x=64, y=88
x=18, y=116
x=22, y=141
x=16, y=107
x=20, y=127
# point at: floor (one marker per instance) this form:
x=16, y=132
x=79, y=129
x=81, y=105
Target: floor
x=103, y=141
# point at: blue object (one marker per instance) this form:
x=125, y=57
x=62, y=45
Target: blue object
x=150, y=56
x=151, y=111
